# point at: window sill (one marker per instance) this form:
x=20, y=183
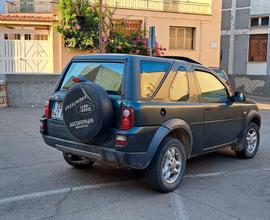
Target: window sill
x=181, y=49
x=254, y=62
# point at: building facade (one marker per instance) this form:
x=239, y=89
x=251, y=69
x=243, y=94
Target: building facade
x=29, y=43
x=245, y=37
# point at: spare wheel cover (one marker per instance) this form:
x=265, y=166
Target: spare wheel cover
x=83, y=112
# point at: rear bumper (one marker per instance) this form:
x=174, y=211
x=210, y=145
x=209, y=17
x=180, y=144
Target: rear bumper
x=137, y=160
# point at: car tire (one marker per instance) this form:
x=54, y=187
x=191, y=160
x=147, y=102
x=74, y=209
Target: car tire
x=251, y=142
x=77, y=161
x=169, y=157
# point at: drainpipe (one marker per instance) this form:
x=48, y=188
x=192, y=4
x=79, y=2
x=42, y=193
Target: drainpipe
x=100, y=26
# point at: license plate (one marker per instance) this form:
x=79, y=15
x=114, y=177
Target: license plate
x=57, y=112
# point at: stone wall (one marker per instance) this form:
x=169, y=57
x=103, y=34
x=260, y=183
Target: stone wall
x=3, y=94
x=29, y=90
x=26, y=90
x=255, y=85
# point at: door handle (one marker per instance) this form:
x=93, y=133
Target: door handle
x=208, y=109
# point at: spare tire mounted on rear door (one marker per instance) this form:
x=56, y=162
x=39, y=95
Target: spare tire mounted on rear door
x=87, y=110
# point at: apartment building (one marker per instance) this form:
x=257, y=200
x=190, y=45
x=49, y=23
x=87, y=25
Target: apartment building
x=245, y=40
x=29, y=42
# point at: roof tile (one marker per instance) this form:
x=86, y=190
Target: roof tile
x=28, y=18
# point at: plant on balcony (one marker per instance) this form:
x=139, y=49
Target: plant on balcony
x=132, y=41
x=80, y=28
x=135, y=43
x=79, y=23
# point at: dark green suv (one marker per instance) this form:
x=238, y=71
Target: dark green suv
x=146, y=113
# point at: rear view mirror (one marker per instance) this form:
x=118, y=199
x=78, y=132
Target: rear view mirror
x=239, y=97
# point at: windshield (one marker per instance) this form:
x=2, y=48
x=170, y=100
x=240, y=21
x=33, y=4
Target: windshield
x=107, y=75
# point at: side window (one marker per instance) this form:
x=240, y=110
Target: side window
x=151, y=75
x=211, y=88
x=179, y=90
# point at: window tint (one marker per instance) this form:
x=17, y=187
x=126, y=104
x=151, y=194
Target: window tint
x=211, y=88
x=179, y=90
x=107, y=75
x=151, y=75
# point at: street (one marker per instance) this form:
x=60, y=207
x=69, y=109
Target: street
x=36, y=183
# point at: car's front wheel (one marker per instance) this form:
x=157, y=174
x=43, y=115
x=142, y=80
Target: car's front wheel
x=167, y=168
x=77, y=161
x=251, y=142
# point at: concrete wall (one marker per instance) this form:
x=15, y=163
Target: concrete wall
x=26, y=90
x=240, y=54
x=259, y=7
x=255, y=85
x=225, y=44
x=236, y=25
x=242, y=19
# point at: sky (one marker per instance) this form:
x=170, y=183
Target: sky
x=2, y=6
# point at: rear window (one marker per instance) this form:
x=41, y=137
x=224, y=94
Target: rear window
x=151, y=75
x=107, y=75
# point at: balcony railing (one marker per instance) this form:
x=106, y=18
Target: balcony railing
x=29, y=6
x=178, y=6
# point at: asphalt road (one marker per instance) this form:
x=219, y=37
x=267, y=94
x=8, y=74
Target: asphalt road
x=35, y=182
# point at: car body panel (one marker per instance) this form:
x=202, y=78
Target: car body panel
x=208, y=125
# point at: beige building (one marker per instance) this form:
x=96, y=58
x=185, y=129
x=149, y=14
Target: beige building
x=29, y=43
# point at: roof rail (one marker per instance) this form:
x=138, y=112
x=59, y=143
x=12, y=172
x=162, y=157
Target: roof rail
x=187, y=59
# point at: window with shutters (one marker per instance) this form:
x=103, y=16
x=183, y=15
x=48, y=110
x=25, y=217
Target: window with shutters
x=182, y=38
x=258, y=47
x=127, y=26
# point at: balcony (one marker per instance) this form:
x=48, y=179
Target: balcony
x=177, y=6
x=29, y=6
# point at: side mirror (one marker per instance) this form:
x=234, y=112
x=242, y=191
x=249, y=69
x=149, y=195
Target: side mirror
x=239, y=97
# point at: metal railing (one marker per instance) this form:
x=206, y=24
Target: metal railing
x=26, y=6
x=178, y=6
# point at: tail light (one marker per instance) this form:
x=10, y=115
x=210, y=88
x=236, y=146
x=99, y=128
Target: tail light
x=76, y=80
x=127, y=118
x=47, y=109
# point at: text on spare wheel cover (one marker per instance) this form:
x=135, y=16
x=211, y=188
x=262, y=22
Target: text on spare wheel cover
x=85, y=108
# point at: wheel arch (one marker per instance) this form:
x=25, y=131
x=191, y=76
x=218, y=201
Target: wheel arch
x=177, y=128
x=253, y=116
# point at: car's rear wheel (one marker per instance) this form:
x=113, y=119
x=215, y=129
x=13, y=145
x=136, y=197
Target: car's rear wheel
x=166, y=170
x=77, y=161
x=251, y=142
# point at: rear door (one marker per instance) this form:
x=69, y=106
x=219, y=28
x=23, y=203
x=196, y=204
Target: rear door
x=222, y=118
x=107, y=74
